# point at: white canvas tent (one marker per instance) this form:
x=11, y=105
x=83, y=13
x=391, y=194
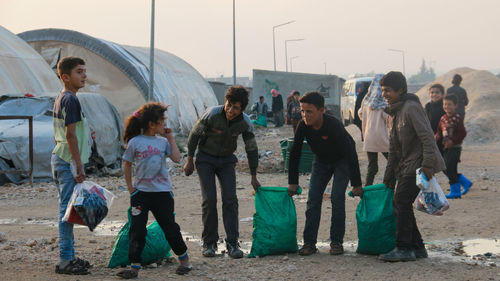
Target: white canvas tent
x=23, y=70
x=121, y=74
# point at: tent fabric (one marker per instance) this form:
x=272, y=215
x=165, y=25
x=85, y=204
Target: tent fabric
x=102, y=117
x=23, y=70
x=176, y=82
x=105, y=121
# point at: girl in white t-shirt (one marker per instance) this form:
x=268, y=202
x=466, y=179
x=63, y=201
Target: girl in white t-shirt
x=148, y=145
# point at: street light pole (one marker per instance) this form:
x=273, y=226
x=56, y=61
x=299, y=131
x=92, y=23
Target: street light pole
x=274, y=46
x=403, y=54
x=286, y=51
x=234, y=46
x=152, y=52
x=291, y=64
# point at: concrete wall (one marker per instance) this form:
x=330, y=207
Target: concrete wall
x=220, y=89
x=328, y=85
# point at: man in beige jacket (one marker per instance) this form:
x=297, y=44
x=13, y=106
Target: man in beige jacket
x=374, y=127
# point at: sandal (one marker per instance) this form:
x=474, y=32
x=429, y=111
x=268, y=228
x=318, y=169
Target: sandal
x=182, y=269
x=72, y=269
x=128, y=274
x=82, y=262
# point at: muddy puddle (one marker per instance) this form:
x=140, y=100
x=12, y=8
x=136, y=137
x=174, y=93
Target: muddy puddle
x=480, y=251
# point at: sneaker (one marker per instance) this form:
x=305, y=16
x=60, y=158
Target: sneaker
x=420, y=253
x=398, y=254
x=72, y=269
x=82, y=262
x=336, y=249
x=209, y=250
x=234, y=251
x=128, y=274
x=307, y=250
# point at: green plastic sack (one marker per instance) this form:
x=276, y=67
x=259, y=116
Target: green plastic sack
x=261, y=121
x=156, y=247
x=274, y=223
x=376, y=220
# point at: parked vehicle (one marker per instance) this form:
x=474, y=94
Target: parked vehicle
x=350, y=91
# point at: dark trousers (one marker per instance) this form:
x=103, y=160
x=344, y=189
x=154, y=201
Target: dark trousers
x=161, y=204
x=208, y=168
x=451, y=158
x=279, y=119
x=321, y=175
x=407, y=234
x=373, y=166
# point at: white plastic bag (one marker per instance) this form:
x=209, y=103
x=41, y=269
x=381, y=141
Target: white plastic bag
x=431, y=198
x=89, y=204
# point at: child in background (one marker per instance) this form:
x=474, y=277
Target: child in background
x=148, y=145
x=293, y=110
x=451, y=132
x=434, y=109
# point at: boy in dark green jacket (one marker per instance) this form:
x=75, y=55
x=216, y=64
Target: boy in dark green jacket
x=215, y=135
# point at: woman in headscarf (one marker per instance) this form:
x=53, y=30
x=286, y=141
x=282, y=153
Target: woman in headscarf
x=374, y=129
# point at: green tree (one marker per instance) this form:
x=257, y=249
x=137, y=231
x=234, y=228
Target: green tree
x=424, y=76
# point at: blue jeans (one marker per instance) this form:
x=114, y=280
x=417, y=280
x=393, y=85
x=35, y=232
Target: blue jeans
x=65, y=183
x=321, y=175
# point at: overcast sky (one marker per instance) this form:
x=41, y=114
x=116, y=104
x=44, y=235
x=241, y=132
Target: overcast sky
x=349, y=36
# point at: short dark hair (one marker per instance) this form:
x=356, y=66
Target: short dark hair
x=66, y=64
x=396, y=80
x=457, y=79
x=261, y=97
x=313, y=98
x=437, y=86
x=237, y=93
x=452, y=97
x=296, y=93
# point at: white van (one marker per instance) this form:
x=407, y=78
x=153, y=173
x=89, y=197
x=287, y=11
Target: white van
x=350, y=91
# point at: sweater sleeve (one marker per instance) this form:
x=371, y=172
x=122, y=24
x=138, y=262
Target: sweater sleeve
x=424, y=132
x=196, y=133
x=295, y=153
x=347, y=148
x=353, y=163
x=251, y=148
x=459, y=134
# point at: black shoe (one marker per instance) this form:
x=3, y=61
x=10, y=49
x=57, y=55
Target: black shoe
x=128, y=274
x=72, y=269
x=336, y=249
x=82, y=262
x=421, y=253
x=209, y=250
x=307, y=250
x=234, y=251
x=398, y=254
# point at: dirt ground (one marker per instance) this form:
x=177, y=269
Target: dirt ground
x=29, y=250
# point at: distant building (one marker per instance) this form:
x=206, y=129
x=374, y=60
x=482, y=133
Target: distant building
x=244, y=81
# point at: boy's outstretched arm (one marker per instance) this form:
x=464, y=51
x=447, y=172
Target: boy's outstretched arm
x=252, y=154
x=193, y=139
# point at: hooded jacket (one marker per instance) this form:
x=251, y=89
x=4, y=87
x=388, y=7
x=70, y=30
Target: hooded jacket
x=412, y=143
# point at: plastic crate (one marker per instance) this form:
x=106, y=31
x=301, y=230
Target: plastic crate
x=306, y=157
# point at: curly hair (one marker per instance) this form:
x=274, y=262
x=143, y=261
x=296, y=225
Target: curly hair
x=239, y=94
x=138, y=122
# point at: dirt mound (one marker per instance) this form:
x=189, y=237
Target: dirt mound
x=482, y=115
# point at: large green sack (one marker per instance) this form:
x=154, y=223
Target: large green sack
x=376, y=220
x=274, y=223
x=261, y=121
x=156, y=247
